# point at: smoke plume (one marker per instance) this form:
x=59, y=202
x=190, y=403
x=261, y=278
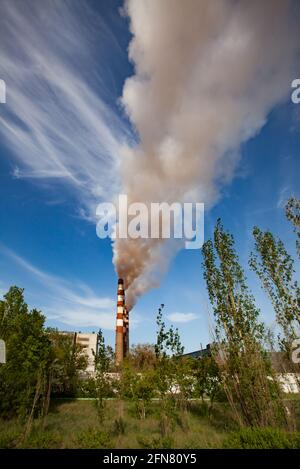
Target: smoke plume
x=207, y=74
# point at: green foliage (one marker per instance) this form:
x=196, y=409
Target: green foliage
x=155, y=442
x=167, y=341
x=42, y=439
x=292, y=211
x=142, y=356
x=103, y=385
x=23, y=377
x=68, y=362
x=73, y=424
x=138, y=387
x=262, y=438
x=104, y=357
x=184, y=380
x=94, y=439
x=39, y=361
x=171, y=375
x=86, y=388
x=275, y=268
x=234, y=308
x=208, y=379
x=243, y=364
x=9, y=439
x=39, y=437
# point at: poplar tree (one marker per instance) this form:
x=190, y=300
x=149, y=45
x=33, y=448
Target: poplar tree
x=245, y=370
x=102, y=381
x=292, y=211
x=168, y=369
x=275, y=269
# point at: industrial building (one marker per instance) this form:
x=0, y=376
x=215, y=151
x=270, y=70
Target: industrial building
x=89, y=344
x=284, y=369
x=203, y=352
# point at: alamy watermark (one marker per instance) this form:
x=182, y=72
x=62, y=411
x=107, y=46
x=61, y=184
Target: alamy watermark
x=2, y=92
x=295, y=96
x=153, y=220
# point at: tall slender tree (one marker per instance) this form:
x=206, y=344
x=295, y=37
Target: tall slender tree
x=103, y=360
x=292, y=211
x=275, y=269
x=244, y=367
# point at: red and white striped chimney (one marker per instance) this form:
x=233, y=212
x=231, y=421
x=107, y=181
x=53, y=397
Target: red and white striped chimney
x=119, y=351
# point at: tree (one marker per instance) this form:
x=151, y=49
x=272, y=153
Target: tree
x=167, y=340
x=68, y=362
x=142, y=356
x=208, y=380
x=103, y=360
x=292, y=211
x=245, y=370
x=23, y=377
x=137, y=378
x=168, y=350
x=275, y=269
x=137, y=387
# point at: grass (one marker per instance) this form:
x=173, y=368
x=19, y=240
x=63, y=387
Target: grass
x=74, y=424
x=262, y=438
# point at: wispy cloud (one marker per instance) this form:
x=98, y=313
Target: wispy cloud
x=182, y=317
x=284, y=194
x=57, y=119
x=71, y=303
x=82, y=318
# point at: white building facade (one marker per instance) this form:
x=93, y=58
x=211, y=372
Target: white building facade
x=89, y=344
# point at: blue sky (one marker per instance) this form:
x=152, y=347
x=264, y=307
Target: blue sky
x=60, y=133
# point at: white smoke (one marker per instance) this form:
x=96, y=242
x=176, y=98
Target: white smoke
x=207, y=73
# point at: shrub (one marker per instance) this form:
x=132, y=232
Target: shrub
x=156, y=442
x=9, y=439
x=42, y=440
x=262, y=438
x=93, y=439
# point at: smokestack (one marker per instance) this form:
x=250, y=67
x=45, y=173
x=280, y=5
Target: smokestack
x=120, y=323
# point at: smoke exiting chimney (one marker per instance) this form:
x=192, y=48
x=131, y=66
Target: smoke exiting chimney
x=202, y=86
x=122, y=325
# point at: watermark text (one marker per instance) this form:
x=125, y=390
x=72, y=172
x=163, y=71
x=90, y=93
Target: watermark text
x=295, y=96
x=153, y=220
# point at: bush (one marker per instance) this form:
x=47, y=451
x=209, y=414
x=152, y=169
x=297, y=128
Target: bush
x=9, y=439
x=42, y=439
x=262, y=438
x=155, y=443
x=86, y=388
x=93, y=439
